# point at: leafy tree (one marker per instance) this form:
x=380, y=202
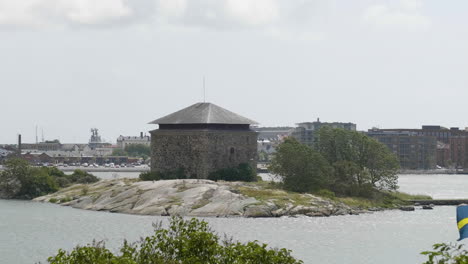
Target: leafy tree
x=119, y=152
x=382, y=166
x=138, y=150
x=301, y=168
x=346, y=162
x=133, y=150
x=183, y=242
x=357, y=159
x=22, y=181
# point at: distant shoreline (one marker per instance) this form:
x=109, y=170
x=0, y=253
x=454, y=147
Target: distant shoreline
x=440, y=171
x=101, y=169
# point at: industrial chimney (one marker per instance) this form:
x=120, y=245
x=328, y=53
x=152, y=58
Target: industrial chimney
x=19, y=144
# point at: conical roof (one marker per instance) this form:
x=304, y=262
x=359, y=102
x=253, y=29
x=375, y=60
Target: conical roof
x=204, y=113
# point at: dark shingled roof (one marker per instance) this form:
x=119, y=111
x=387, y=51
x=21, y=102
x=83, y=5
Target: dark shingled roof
x=204, y=113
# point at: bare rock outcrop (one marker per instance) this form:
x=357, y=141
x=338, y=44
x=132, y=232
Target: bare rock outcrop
x=192, y=197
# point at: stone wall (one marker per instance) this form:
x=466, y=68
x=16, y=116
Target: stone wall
x=200, y=152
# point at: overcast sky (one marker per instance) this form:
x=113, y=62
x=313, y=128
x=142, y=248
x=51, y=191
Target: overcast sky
x=70, y=65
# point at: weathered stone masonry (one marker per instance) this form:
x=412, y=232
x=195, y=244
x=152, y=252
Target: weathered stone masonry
x=201, y=139
x=201, y=152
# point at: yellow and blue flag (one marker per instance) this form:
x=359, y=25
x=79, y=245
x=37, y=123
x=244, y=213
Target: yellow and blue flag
x=462, y=221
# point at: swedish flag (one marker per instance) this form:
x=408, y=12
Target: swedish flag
x=462, y=221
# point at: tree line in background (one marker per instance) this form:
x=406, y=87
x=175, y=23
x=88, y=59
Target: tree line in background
x=345, y=162
x=19, y=180
x=133, y=150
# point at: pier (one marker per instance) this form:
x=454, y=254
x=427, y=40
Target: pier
x=441, y=202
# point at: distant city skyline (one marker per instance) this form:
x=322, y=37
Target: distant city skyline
x=68, y=66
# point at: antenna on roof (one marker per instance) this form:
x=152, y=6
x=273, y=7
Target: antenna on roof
x=204, y=90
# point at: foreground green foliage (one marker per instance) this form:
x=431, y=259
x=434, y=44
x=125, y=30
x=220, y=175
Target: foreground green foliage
x=447, y=254
x=21, y=181
x=183, y=242
x=348, y=163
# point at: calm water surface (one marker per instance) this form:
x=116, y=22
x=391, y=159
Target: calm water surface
x=30, y=232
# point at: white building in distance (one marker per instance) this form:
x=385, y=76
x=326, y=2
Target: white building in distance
x=123, y=141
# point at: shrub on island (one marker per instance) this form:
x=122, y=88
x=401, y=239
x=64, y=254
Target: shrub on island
x=184, y=241
x=168, y=175
x=243, y=172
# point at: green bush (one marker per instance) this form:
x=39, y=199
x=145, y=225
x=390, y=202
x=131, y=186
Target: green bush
x=243, y=172
x=325, y=193
x=53, y=200
x=150, y=176
x=80, y=176
x=84, y=190
x=65, y=199
x=168, y=175
x=183, y=242
x=63, y=182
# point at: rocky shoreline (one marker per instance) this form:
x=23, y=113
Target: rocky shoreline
x=192, y=197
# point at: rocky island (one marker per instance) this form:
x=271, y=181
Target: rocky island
x=194, y=197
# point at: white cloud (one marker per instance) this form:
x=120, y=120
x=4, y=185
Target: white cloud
x=272, y=17
x=58, y=12
x=18, y=12
x=218, y=13
x=411, y=4
x=407, y=15
x=172, y=8
x=93, y=11
x=259, y=12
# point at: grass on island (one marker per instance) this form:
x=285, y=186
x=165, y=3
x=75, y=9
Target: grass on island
x=382, y=199
x=270, y=191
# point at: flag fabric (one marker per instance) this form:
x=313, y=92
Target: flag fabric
x=462, y=221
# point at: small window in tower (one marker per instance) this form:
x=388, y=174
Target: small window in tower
x=232, y=150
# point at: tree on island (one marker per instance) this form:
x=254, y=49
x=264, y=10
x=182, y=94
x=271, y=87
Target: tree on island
x=346, y=162
x=185, y=242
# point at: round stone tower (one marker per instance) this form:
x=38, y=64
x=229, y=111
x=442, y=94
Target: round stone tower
x=201, y=139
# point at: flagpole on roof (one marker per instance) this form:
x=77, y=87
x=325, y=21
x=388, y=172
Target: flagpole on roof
x=204, y=90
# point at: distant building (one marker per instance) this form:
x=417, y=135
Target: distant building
x=269, y=138
x=4, y=153
x=53, y=145
x=273, y=133
x=305, y=132
x=452, y=144
x=414, y=151
x=201, y=139
x=123, y=141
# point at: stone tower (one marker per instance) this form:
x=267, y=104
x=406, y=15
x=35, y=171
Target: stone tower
x=202, y=138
